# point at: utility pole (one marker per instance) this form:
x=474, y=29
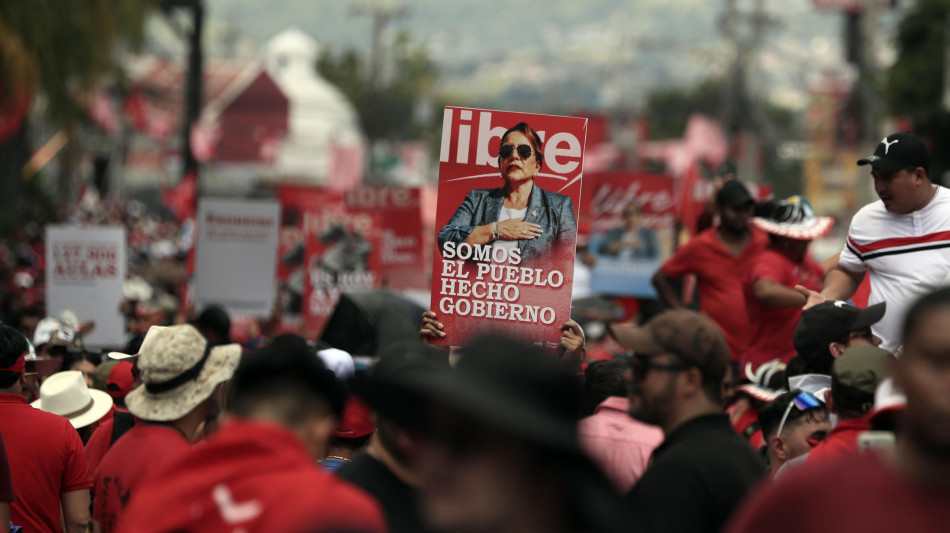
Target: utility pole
x=193, y=79
x=382, y=16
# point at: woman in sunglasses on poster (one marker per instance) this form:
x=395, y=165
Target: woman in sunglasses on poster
x=517, y=221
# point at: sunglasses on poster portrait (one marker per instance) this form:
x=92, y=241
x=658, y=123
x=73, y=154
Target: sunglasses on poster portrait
x=524, y=151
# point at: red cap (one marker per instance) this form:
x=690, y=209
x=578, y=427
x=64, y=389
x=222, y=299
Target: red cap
x=357, y=420
x=120, y=380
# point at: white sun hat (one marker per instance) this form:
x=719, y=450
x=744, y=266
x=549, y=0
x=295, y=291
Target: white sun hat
x=66, y=394
x=179, y=370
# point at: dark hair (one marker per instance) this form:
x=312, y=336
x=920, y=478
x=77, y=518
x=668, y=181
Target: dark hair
x=771, y=415
x=921, y=308
x=12, y=345
x=214, y=319
x=533, y=138
x=602, y=379
x=350, y=444
x=289, y=378
x=74, y=356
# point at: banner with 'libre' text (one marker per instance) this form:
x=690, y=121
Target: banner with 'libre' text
x=506, y=224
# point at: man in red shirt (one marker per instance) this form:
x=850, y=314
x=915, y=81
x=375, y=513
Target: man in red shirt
x=181, y=373
x=907, y=489
x=718, y=257
x=258, y=473
x=854, y=379
x=772, y=302
x=47, y=465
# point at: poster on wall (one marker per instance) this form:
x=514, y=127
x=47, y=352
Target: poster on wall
x=85, y=271
x=506, y=224
x=236, y=255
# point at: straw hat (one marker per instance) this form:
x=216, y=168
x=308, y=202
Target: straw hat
x=66, y=394
x=794, y=218
x=179, y=370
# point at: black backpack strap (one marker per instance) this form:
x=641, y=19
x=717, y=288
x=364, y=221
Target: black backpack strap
x=121, y=422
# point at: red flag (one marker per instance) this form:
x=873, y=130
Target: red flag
x=181, y=198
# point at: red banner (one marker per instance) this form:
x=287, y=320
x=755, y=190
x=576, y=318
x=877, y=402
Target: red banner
x=342, y=255
x=402, y=257
x=506, y=224
x=632, y=224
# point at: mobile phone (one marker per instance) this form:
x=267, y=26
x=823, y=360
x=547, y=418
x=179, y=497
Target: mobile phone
x=875, y=440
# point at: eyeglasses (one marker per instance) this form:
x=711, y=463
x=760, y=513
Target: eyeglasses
x=640, y=365
x=865, y=334
x=506, y=150
x=804, y=401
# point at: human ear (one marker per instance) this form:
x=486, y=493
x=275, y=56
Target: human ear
x=777, y=445
x=835, y=349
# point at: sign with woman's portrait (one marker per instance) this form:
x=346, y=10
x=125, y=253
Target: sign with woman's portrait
x=509, y=194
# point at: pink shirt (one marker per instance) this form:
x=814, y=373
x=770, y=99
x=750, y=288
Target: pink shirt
x=618, y=444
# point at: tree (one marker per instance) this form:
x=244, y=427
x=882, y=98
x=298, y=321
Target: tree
x=390, y=111
x=915, y=83
x=58, y=50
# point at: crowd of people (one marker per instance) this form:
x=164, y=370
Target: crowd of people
x=777, y=406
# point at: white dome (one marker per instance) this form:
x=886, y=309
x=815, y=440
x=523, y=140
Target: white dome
x=320, y=115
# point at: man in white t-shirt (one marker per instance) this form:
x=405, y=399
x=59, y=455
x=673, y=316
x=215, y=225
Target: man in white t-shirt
x=903, y=239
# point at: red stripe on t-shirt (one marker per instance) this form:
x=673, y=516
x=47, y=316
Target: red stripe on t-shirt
x=899, y=241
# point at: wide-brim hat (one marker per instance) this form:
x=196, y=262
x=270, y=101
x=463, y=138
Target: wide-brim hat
x=527, y=394
x=179, y=370
x=794, y=218
x=66, y=394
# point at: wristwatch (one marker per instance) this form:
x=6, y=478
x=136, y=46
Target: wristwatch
x=494, y=231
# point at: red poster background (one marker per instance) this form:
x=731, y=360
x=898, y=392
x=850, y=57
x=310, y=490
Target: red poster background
x=342, y=254
x=402, y=256
x=468, y=160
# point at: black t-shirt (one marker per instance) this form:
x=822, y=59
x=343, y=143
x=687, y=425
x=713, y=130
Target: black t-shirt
x=399, y=501
x=698, y=476
x=6, y=488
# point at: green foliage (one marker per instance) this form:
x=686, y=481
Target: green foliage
x=62, y=48
x=669, y=108
x=915, y=83
x=389, y=110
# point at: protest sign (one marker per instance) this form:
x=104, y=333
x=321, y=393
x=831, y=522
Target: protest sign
x=304, y=209
x=506, y=224
x=85, y=271
x=236, y=254
x=401, y=256
x=342, y=255
x=633, y=223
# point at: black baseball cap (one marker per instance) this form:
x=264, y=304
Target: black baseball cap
x=733, y=194
x=829, y=322
x=898, y=151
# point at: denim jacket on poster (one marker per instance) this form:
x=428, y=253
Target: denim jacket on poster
x=552, y=211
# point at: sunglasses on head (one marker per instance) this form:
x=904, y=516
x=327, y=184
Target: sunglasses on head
x=803, y=401
x=640, y=365
x=506, y=150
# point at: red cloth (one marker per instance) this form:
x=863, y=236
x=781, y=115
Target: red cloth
x=857, y=493
x=618, y=444
x=46, y=460
x=142, y=450
x=772, y=328
x=252, y=477
x=841, y=442
x=99, y=442
x=746, y=424
x=720, y=277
